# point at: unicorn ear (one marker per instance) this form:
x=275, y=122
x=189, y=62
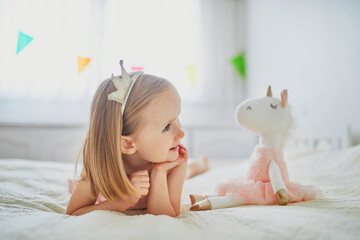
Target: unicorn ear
x=284, y=98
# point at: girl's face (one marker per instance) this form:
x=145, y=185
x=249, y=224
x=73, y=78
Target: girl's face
x=159, y=134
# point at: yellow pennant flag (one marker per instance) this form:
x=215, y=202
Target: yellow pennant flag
x=82, y=63
x=191, y=70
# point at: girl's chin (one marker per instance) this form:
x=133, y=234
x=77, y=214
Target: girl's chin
x=168, y=159
x=174, y=155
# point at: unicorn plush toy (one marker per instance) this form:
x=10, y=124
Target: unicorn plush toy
x=267, y=181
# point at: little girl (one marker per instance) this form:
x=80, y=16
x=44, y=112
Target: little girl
x=132, y=155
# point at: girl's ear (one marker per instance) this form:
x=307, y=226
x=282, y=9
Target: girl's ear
x=127, y=146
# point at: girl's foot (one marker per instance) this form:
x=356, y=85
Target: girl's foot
x=197, y=167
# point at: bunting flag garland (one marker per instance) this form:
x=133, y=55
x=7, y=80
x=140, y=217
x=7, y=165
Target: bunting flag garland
x=239, y=62
x=82, y=63
x=23, y=41
x=191, y=70
x=134, y=69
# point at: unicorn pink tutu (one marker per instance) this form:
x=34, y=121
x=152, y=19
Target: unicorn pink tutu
x=256, y=188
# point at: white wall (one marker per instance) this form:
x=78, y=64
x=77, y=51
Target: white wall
x=51, y=132
x=312, y=48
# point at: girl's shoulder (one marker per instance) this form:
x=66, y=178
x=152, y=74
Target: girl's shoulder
x=83, y=187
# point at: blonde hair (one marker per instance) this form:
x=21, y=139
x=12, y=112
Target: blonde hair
x=101, y=152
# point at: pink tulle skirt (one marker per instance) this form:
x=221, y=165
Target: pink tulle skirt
x=261, y=193
x=71, y=185
x=256, y=188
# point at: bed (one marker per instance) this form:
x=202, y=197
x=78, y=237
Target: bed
x=34, y=196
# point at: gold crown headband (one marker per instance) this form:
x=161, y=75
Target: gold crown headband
x=123, y=86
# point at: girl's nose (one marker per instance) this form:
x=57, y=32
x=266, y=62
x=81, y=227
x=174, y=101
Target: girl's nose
x=181, y=133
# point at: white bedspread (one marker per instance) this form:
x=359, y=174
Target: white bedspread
x=33, y=199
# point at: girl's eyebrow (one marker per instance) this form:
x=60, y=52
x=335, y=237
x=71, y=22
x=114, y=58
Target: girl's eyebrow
x=171, y=120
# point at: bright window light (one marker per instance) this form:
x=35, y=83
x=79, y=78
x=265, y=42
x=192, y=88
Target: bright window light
x=158, y=36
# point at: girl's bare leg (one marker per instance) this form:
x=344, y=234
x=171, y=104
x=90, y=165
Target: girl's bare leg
x=197, y=166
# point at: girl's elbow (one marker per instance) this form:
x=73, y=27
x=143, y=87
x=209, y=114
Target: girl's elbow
x=167, y=213
x=173, y=214
x=72, y=213
x=68, y=212
x=176, y=212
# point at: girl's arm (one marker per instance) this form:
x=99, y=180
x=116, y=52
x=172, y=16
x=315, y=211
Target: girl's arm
x=175, y=185
x=82, y=202
x=176, y=180
x=158, y=200
x=166, y=183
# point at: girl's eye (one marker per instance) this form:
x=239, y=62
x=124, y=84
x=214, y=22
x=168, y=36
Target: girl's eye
x=167, y=128
x=273, y=107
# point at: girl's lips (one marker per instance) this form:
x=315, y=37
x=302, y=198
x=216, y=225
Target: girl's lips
x=175, y=148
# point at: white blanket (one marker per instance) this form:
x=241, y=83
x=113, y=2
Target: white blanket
x=33, y=199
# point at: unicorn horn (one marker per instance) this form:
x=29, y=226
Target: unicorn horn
x=269, y=93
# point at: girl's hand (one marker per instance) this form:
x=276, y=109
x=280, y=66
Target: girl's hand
x=141, y=181
x=167, y=166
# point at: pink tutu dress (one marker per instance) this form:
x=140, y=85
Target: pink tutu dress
x=256, y=189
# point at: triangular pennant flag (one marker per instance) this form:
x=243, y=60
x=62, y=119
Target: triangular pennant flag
x=23, y=41
x=134, y=69
x=239, y=63
x=82, y=63
x=190, y=70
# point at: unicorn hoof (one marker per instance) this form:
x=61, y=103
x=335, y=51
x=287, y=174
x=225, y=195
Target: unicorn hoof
x=282, y=197
x=201, y=206
x=194, y=198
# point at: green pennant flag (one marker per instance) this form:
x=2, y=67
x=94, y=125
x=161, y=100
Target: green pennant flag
x=239, y=62
x=190, y=70
x=23, y=41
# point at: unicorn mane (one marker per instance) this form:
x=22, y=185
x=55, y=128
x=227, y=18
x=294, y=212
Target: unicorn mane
x=286, y=134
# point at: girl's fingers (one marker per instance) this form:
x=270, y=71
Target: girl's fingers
x=182, y=149
x=183, y=154
x=143, y=192
x=140, y=173
x=137, y=182
x=142, y=185
x=182, y=146
x=145, y=185
x=176, y=163
x=141, y=179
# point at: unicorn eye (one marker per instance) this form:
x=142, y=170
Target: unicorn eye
x=248, y=108
x=273, y=107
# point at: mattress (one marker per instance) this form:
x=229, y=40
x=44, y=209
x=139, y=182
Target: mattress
x=34, y=196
